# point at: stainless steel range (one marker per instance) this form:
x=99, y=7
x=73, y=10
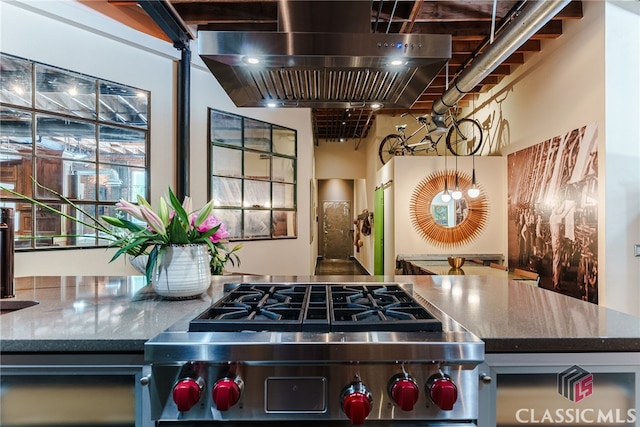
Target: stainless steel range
x=345, y=353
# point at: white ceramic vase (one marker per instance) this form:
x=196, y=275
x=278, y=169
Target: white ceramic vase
x=181, y=271
x=139, y=262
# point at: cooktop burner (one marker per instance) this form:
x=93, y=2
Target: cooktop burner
x=316, y=307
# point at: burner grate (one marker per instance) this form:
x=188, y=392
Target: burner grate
x=379, y=308
x=256, y=308
x=316, y=308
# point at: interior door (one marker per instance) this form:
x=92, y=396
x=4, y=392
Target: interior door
x=336, y=228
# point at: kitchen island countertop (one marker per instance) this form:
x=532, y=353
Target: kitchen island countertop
x=118, y=314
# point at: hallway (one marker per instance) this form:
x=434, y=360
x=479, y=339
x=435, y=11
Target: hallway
x=339, y=267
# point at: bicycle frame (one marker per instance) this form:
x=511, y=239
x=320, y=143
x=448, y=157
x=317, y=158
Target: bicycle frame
x=457, y=132
x=426, y=139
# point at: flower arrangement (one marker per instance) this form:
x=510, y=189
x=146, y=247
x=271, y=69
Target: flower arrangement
x=172, y=223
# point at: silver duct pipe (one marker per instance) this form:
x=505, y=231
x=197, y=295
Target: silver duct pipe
x=534, y=17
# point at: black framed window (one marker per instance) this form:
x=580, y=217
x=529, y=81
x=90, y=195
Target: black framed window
x=84, y=137
x=252, y=169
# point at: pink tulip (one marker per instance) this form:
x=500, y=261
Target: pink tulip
x=130, y=208
x=206, y=225
x=186, y=204
x=209, y=223
x=153, y=220
x=220, y=234
x=192, y=218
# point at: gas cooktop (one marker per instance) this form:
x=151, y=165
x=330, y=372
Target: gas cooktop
x=312, y=307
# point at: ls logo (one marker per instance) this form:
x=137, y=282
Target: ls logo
x=575, y=383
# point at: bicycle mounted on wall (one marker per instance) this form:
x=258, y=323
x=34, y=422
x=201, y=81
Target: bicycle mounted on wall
x=463, y=137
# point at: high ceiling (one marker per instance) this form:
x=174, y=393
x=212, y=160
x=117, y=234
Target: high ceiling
x=469, y=22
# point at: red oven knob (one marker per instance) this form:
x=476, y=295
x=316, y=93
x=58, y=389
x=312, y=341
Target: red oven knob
x=186, y=393
x=357, y=406
x=443, y=391
x=404, y=393
x=226, y=393
x=356, y=402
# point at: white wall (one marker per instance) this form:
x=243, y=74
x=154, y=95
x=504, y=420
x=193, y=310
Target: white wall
x=622, y=161
x=69, y=35
x=340, y=160
x=410, y=171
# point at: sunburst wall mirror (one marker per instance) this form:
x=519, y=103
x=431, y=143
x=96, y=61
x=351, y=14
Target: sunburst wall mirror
x=447, y=223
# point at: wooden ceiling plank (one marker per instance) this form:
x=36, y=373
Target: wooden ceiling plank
x=480, y=10
x=128, y=14
x=461, y=11
x=123, y=2
x=176, y=2
x=467, y=31
x=407, y=27
x=571, y=11
x=224, y=13
x=459, y=59
x=267, y=26
x=466, y=48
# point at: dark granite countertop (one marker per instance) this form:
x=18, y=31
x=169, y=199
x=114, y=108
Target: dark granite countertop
x=118, y=314
x=511, y=316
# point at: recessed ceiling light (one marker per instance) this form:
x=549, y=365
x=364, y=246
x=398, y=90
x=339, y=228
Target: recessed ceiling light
x=252, y=60
x=272, y=104
x=376, y=105
x=397, y=62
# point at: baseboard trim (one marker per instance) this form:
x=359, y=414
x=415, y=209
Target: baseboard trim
x=360, y=266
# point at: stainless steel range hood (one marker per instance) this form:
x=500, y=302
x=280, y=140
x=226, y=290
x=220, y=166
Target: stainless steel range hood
x=323, y=56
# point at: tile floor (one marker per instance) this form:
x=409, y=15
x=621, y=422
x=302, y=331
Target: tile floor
x=339, y=267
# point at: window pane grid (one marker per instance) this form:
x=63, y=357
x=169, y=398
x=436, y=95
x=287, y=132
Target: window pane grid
x=253, y=176
x=84, y=137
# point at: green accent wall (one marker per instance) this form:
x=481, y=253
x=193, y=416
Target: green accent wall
x=378, y=232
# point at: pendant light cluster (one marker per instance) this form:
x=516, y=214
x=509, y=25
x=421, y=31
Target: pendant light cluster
x=473, y=192
x=456, y=194
x=446, y=196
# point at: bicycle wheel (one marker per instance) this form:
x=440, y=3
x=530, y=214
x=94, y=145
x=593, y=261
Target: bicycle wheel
x=464, y=139
x=390, y=146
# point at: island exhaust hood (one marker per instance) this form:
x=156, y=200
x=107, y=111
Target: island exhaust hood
x=323, y=56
